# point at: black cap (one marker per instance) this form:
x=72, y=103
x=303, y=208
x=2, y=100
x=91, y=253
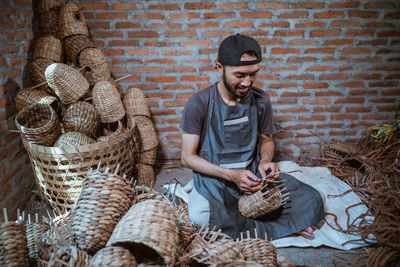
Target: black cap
x=233, y=47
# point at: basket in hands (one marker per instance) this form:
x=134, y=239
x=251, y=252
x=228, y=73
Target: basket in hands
x=264, y=201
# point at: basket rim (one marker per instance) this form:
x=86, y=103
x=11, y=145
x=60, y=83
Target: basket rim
x=24, y=109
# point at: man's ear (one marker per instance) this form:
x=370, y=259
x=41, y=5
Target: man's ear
x=218, y=66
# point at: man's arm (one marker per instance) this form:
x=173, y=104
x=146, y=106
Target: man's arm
x=267, y=153
x=190, y=159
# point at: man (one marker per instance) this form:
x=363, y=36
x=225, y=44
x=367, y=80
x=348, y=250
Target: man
x=227, y=142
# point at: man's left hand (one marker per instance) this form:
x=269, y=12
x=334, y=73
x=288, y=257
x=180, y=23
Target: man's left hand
x=267, y=167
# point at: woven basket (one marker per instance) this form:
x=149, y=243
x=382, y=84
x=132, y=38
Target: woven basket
x=144, y=175
x=147, y=132
x=72, y=21
x=131, y=124
x=36, y=70
x=53, y=239
x=34, y=233
x=143, y=193
x=259, y=250
x=48, y=22
x=149, y=229
x=59, y=171
x=110, y=134
x=14, y=248
x=48, y=47
x=62, y=219
x=39, y=124
x=135, y=102
x=74, y=44
x=47, y=5
x=113, y=257
x=147, y=157
x=29, y=96
x=262, y=202
x=96, y=66
x=81, y=117
x=69, y=256
x=107, y=100
x=73, y=139
x=104, y=199
x=186, y=228
x=68, y=83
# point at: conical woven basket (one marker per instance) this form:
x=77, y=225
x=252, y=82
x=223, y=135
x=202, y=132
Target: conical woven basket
x=14, y=248
x=259, y=250
x=72, y=21
x=261, y=202
x=104, y=199
x=147, y=132
x=68, y=83
x=74, y=44
x=47, y=5
x=113, y=257
x=48, y=47
x=73, y=139
x=147, y=157
x=107, y=100
x=144, y=175
x=70, y=256
x=81, y=117
x=96, y=66
x=48, y=22
x=59, y=171
x=29, y=96
x=135, y=102
x=149, y=230
x=39, y=124
x=34, y=232
x=36, y=70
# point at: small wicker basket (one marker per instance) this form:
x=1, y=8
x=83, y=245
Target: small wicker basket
x=13, y=244
x=69, y=256
x=68, y=83
x=135, y=102
x=144, y=175
x=48, y=47
x=48, y=22
x=34, y=233
x=147, y=132
x=81, y=117
x=259, y=250
x=73, y=139
x=96, y=66
x=36, y=70
x=110, y=133
x=107, y=100
x=113, y=257
x=29, y=96
x=74, y=44
x=47, y=5
x=39, y=124
x=72, y=21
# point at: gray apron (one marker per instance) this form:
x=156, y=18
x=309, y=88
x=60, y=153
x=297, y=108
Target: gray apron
x=231, y=140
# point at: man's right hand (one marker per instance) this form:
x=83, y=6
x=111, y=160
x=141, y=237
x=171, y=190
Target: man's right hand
x=245, y=180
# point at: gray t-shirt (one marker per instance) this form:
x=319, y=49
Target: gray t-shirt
x=194, y=115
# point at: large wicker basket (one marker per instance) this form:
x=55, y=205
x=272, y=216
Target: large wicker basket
x=48, y=47
x=96, y=66
x=59, y=171
x=74, y=44
x=48, y=22
x=36, y=70
x=71, y=21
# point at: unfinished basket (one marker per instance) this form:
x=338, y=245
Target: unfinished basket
x=34, y=233
x=48, y=47
x=143, y=193
x=147, y=132
x=95, y=65
x=147, y=157
x=72, y=21
x=259, y=250
x=107, y=100
x=149, y=229
x=48, y=22
x=14, y=248
x=68, y=83
x=36, y=70
x=81, y=117
x=39, y=124
x=47, y=5
x=264, y=201
x=74, y=44
x=53, y=239
x=113, y=257
x=104, y=199
x=69, y=256
x=135, y=102
x=144, y=175
x=59, y=171
x=29, y=96
x=73, y=139
x=186, y=228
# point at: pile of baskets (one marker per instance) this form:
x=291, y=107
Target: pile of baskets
x=75, y=115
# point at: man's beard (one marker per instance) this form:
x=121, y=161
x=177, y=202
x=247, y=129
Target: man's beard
x=232, y=90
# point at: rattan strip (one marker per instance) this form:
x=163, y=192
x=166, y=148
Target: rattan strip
x=54, y=238
x=73, y=139
x=259, y=250
x=36, y=70
x=107, y=100
x=143, y=193
x=147, y=132
x=34, y=233
x=72, y=21
x=48, y=47
x=74, y=44
x=186, y=228
x=104, y=199
x=69, y=256
x=145, y=175
x=150, y=230
x=48, y=22
x=96, y=66
x=113, y=257
x=13, y=244
x=29, y=96
x=68, y=83
x=39, y=124
x=47, y=5
x=147, y=157
x=81, y=117
x=135, y=102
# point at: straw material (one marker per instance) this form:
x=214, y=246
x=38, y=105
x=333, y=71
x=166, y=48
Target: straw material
x=48, y=47
x=47, y=5
x=62, y=219
x=259, y=250
x=143, y=193
x=147, y=157
x=104, y=199
x=149, y=229
x=34, y=233
x=74, y=44
x=107, y=100
x=36, y=70
x=39, y=124
x=73, y=139
x=147, y=132
x=14, y=248
x=29, y=96
x=113, y=257
x=81, y=117
x=53, y=239
x=68, y=83
x=109, y=134
x=186, y=228
x=145, y=175
x=59, y=171
x=96, y=66
x=131, y=124
x=135, y=102
x=48, y=22
x=239, y=263
x=69, y=256
x=72, y=21
x=261, y=202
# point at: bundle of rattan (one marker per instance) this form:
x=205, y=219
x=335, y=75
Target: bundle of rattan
x=81, y=117
x=113, y=257
x=34, y=231
x=74, y=45
x=104, y=199
x=30, y=96
x=71, y=21
x=69, y=256
x=48, y=47
x=13, y=244
x=107, y=100
x=73, y=139
x=36, y=70
x=95, y=65
x=259, y=250
x=149, y=229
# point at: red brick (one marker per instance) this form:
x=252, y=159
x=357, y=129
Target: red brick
x=177, y=53
x=313, y=118
x=220, y=15
x=277, y=24
x=172, y=104
x=268, y=76
x=181, y=34
x=359, y=33
x=349, y=50
x=164, y=7
x=127, y=6
x=197, y=42
x=353, y=84
x=343, y=117
x=101, y=34
x=143, y=34
x=344, y=5
x=388, y=33
x=295, y=94
x=161, y=61
x=166, y=25
x=208, y=51
x=22, y=3
x=141, y=52
x=346, y=23
x=320, y=51
x=273, y=41
x=363, y=14
x=216, y=33
x=194, y=78
x=392, y=15
x=328, y=14
x=385, y=51
x=272, y=5
x=113, y=52
x=284, y=51
x=111, y=16
x=155, y=43
x=161, y=79
x=282, y=85
x=184, y=95
x=376, y=4
x=233, y=6
x=386, y=109
x=162, y=112
x=344, y=68
x=208, y=24
x=320, y=68
x=317, y=101
x=207, y=68
x=387, y=68
x=309, y=24
x=383, y=84
x=181, y=69
x=125, y=61
x=283, y=135
x=338, y=76
x=327, y=109
x=294, y=110
x=324, y=33
x=299, y=127
x=256, y=33
x=287, y=101
x=363, y=92
x=392, y=76
x=377, y=24
x=189, y=15
x=12, y=73
x=393, y=92
x=127, y=25
x=199, y=6
x=284, y=118
x=288, y=33
x=91, y=6
x=292, y=15
x=296, y=142
x=278, y=69
x=301, y=59
x=256, y=14
x=339, y=42
x=123, y=43
x=328, y=93
x=368, y=59
x=202, y=60
x=358, y=109
x=146, y=69
x=375, y=117
x=8, y=49
x=300, y=77
x=149, y=16
x=373, y=76
x=239, y=24
x=349, y=100
x=98, y=25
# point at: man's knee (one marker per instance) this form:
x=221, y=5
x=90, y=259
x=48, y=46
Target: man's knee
x=199, y=208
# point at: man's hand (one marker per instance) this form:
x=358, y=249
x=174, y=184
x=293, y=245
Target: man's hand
x=246, y=181
x=267, y=167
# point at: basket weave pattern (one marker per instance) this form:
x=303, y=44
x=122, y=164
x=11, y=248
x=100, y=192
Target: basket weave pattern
x=69, y=256
x=73, y=139
x=81, y=117
x=34, y=232
x=48, y=22
x=96, y=65
x=144, y=175
x=47, y=5
x=13, y=244
x=48, y=47
x=74, y=44
x=29, y=96
x=36, y=70
x=107, y=100
x=72, y=21
x=260, y=251
x=113, y=257
x=135, y=102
